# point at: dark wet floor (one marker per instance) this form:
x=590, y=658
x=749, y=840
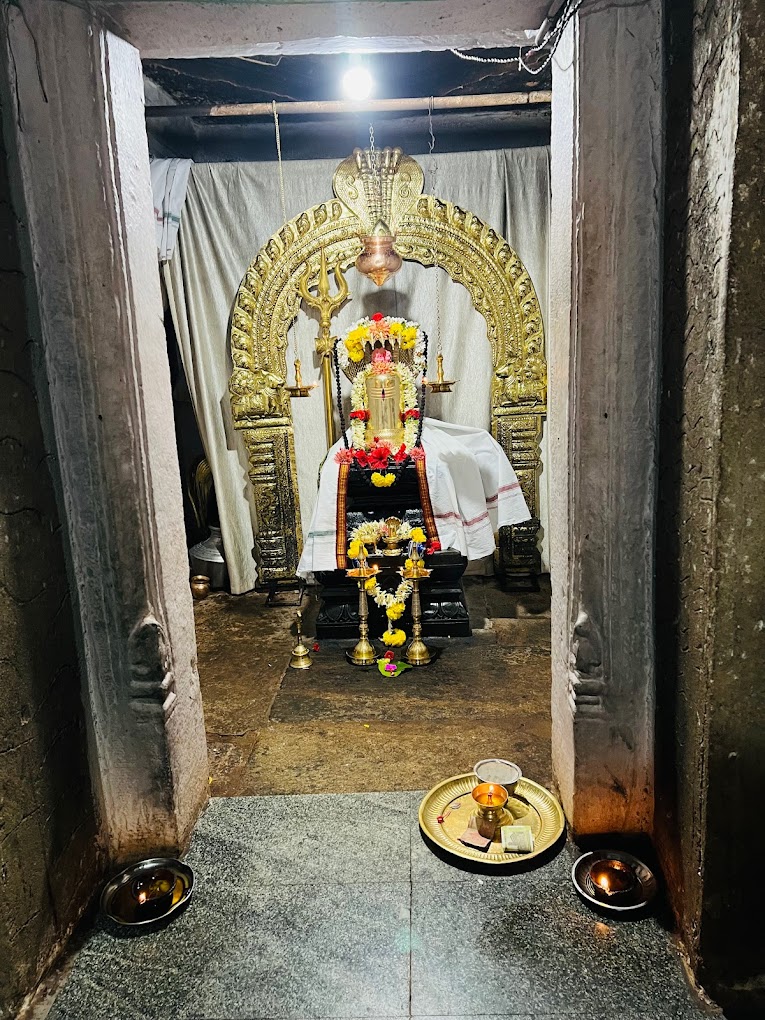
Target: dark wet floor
x=334, y=728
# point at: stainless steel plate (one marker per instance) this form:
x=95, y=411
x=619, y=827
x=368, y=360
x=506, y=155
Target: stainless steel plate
x=636, y=899
x=118, y=903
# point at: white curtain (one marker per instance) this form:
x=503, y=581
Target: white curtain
x=233, y=208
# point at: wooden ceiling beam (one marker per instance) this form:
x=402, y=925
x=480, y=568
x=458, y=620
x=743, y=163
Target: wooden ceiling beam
x=341, y=106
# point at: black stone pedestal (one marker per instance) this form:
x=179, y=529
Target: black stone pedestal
x=444, y=610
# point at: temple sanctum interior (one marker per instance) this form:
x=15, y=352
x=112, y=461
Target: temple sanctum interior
x=381, y=616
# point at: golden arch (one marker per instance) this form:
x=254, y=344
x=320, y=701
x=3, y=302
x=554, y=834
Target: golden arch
x=431, y=232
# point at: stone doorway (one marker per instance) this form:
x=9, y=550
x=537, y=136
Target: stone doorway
x=90, y=225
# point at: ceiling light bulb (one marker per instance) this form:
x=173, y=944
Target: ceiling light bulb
x=357, y=83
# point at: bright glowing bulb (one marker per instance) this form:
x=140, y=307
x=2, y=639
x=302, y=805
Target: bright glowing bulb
x=358, y=83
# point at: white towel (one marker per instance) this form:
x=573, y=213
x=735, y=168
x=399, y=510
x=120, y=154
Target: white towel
x=473, y=489
x=169, y=180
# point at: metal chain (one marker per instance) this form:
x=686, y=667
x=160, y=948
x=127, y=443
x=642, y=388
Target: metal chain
x=434, y=175
x=284, y=210
x=374, y=159
x=552, y=38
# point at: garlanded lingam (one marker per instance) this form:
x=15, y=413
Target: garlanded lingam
x=384, y=357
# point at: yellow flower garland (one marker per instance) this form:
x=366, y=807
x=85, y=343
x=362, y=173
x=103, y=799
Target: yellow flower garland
x=394, y=637
x=383, y=481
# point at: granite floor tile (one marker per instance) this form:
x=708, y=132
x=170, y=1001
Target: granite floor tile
x=655, y=1014
x=308, y=951
x=315, y=951
x=343, y=838
x=478, y=946
x=332, y=907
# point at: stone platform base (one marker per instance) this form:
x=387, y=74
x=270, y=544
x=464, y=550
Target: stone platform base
x=444, y=610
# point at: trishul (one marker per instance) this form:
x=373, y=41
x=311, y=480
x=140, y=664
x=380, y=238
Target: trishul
x=327, y=305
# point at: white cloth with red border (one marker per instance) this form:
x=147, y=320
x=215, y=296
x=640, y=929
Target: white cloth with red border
x=474, y=491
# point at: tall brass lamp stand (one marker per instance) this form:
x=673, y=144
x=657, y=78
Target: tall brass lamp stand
x=363, y=654
x=418, y=653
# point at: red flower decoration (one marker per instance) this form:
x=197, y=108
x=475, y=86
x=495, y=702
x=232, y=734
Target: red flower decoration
x=378, y=317
x=417, y=453
x=316, y=646
x=361, y=458
x=389, y=655
x=360, y=415
x=433, y=547
x=344, y=456
x=411, y=413
x=400, y=455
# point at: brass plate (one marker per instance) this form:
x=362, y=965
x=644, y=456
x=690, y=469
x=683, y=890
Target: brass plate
x=531, y=804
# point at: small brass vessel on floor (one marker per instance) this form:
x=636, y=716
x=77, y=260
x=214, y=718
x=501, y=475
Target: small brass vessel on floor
x=148, y=892
x=614, y=881
x=200, y=587
x=418, y=653
x=363, y=653
x=301, y=657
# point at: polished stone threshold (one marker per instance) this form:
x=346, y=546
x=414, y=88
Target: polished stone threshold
x=332, y=906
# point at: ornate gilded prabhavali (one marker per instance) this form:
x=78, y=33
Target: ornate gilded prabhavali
x=429, y=231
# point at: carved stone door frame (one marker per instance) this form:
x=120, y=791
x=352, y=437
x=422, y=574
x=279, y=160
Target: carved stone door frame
x=83, y=184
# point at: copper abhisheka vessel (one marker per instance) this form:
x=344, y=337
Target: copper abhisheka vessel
x=379, y=259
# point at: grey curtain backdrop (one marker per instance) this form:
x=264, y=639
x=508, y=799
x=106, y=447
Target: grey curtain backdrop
x=233, y=208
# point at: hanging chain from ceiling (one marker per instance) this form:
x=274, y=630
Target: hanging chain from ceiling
x=551, y=40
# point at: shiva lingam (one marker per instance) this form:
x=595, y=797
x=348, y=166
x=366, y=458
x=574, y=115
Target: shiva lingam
x=417, y=654
x=490, y=800
x=363, y=653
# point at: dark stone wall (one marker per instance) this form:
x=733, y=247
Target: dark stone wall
x=711, y=529
x=48, y=855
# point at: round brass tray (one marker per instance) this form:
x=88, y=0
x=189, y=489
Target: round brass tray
x=531, y=804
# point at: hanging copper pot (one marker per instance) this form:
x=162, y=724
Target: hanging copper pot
x=379, y=259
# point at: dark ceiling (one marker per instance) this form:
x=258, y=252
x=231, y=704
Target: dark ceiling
x=313, y=77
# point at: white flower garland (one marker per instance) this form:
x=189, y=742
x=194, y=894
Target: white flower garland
x=371, y=531
x=385, y=599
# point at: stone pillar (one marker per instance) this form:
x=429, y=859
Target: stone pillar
x=603, y=357
x=82, y=166
x=711, y=513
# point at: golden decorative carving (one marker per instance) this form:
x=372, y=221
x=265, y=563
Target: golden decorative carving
x=429, y=231
x=354, y=185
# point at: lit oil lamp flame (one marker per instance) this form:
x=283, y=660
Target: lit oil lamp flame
x=613, y=877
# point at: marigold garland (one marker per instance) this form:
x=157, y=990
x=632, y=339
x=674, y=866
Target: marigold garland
x=394, y=637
